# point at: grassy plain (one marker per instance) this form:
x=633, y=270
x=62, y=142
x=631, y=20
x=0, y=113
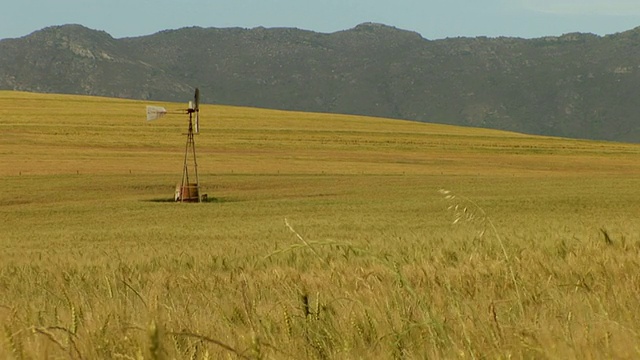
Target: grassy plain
x=328, y=237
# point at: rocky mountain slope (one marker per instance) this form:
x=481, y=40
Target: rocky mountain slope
x=576, y=85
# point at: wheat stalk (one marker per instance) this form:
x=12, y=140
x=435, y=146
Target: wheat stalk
x=464, y=212
x=14, y=343
x=155, y=346
x=286, y=222
x=211, y=340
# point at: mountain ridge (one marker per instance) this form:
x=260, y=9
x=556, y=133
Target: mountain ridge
x=575, y=85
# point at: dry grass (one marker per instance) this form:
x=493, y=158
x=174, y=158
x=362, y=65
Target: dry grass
x=95, y=263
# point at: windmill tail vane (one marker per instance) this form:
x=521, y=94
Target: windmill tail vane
x=155, y=112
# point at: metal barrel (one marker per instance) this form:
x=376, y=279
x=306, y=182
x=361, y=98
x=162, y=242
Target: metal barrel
x=188, y=193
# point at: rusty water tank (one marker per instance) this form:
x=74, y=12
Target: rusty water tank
x=187, y=193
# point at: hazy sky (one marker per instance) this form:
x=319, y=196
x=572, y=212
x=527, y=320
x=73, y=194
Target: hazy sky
x=434, y=19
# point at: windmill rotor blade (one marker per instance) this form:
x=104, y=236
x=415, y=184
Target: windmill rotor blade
x=155, y=112
x=196, y=109
x=197, y=99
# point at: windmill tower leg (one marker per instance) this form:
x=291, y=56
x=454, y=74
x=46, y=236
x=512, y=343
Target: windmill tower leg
x=195, y=168
x=184, y=185
x=189, y=191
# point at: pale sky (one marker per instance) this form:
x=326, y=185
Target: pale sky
x=433, y=19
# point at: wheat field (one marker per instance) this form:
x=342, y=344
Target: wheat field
x=325, y=237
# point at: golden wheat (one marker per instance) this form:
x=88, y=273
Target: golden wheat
x=97, y=262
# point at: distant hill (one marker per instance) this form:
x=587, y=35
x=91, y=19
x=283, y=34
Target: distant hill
x=576, y=85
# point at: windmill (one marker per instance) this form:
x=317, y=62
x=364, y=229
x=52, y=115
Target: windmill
x=188, y=190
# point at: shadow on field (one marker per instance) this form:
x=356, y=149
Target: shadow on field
x=208, y=200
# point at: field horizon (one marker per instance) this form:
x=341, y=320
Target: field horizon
x=327, y=236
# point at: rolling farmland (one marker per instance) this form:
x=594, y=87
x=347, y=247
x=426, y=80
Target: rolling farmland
x=326, y=236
